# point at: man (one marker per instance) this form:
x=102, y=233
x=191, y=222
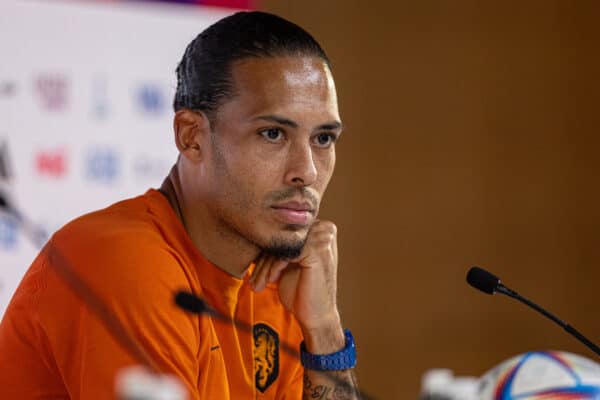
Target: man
x=235, y=222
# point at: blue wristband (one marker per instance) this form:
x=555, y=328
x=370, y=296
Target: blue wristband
x=343, y=359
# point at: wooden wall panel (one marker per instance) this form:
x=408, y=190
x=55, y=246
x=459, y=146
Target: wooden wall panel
x=472, y=139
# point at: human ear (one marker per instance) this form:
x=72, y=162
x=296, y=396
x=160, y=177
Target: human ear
x=191, y=130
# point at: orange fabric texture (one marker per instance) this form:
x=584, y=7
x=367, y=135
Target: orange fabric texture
x=135, y=255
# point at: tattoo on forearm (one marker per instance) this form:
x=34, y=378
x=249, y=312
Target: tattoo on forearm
x=337, y=386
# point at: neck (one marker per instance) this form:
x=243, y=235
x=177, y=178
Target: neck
x=225, y=249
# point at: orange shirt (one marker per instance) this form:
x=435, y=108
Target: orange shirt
x=135, y=255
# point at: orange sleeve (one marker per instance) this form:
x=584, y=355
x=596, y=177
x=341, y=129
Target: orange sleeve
x=136, y=276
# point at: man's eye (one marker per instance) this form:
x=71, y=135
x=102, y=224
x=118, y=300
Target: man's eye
x=272, y=134
x=325, y=139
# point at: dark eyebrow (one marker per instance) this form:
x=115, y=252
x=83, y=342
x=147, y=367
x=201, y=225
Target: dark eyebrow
x=330, y=126
x=277, y=119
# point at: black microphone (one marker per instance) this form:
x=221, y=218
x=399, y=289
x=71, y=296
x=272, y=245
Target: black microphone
x=488, y=283
x=191, y=303
x=3, y=202
x=481, y=279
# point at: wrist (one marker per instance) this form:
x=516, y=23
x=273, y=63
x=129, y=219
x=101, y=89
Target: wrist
x=340, y=360
x=324, y=338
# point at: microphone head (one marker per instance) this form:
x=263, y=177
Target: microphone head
x=191, y=303
x=3, y=201
x=483, y=280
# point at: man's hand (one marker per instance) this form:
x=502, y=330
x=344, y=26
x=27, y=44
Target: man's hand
x=308, y=287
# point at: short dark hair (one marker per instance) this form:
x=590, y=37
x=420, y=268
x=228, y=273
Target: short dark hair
x=204, y=73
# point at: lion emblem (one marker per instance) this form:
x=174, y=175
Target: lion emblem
x=266, y=356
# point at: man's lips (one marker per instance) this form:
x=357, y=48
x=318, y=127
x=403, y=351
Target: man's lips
x=295, y=205
x=294, y=212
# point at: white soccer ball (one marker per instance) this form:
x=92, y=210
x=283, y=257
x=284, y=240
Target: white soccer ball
x=537, y=375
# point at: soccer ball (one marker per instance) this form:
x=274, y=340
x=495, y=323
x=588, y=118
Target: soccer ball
x=542, y=375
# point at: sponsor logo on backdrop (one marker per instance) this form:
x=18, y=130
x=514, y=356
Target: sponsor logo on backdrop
x=7, y=89
x=51, y=162
x=9, y=234
x=150, y=99
x=52, y=90
x=100, y=102
x=149, y=168
x=102, y=165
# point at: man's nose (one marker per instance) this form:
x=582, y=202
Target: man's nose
x=301, y=168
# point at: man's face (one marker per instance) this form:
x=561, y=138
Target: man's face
x=272, y=151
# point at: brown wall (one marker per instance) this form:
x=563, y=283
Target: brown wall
x=472, y=139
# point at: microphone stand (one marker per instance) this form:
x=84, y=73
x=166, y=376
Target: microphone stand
x=578, y=335
x=490, y=284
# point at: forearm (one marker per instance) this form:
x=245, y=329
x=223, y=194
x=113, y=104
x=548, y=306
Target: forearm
x=328, y=385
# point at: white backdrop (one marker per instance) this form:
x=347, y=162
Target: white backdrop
x=85, y=109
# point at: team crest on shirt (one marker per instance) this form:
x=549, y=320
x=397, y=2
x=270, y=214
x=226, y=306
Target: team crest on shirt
x=266, y=356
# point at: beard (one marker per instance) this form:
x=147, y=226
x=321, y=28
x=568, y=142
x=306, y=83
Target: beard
x=285, y=250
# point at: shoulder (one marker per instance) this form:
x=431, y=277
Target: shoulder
x=127, y=219
x=119, y=246
x=117, y=263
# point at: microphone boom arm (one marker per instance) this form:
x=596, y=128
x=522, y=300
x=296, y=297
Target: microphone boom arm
x=578, y=335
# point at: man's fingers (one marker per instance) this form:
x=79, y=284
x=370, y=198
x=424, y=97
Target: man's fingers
x=259, y=265
x=261, y=273
x=276, y=268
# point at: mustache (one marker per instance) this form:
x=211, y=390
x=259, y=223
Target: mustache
x=294, y=194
